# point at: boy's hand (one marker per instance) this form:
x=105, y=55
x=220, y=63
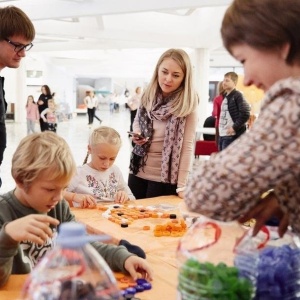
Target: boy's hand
x=136, y=265
x=34, y=228
x=121, y=197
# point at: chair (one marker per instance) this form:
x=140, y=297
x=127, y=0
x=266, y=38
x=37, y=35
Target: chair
x=209, y=123
x=205, y=148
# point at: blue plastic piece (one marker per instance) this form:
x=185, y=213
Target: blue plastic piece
x=139, y=288
x=147, y=286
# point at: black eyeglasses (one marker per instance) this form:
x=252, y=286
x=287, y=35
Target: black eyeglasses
x=19, y=47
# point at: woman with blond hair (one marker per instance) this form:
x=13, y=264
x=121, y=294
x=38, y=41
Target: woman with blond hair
x=166, y=121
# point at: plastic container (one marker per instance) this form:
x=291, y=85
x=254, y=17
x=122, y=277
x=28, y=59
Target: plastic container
x=206, y=257
x=220, y=260
x=279, y=267
x=72, y=270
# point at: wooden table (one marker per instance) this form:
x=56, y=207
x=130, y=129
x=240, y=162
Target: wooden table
x=12, y=289
x=160, y=251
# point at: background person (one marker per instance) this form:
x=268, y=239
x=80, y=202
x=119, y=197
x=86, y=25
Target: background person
x=133, y=104
x=89, y=105
x=32, y=114
x=16, y=34
x=217, y=102
x=167, y=120
x=234, y=114
x=49, y=116
x=43, y=104
x=96, y=106
x=91, y=102
x=229, y=186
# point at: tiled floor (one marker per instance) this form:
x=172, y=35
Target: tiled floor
x=76, y=132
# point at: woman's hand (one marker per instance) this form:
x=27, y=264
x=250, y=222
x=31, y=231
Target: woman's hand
x=139, y=140
x=137, y=267
x=263, y=211
x=121, y=197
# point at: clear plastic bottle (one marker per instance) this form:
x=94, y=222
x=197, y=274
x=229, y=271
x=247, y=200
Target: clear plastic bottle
x=279, y=266
x=72, y=270
x=207, y=257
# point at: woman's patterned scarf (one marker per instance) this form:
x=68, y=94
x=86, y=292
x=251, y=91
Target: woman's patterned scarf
x=172, y=143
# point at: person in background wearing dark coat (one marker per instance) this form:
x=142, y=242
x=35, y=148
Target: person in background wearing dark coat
x=235, y=112
x=43, y=104
x=16, y=34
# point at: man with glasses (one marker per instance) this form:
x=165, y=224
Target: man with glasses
x=16, y=35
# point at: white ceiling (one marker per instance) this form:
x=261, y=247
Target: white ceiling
x=122, y=38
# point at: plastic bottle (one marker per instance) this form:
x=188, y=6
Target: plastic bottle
x=279, y=267
x=73, y=269
x=207, y=256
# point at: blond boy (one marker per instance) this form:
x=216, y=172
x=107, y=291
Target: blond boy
x=42, y=167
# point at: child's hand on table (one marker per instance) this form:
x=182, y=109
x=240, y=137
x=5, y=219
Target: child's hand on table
x=121, y=197
x=85, y=200
x=136, y=265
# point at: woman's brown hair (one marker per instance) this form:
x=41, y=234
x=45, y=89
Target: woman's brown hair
x=264, y=25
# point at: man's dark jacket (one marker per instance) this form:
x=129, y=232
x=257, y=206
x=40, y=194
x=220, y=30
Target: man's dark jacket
x=239, y=111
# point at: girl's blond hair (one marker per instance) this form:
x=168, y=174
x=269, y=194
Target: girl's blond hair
x=104, y=134
x=185, y=97
x=51, y=101
x=42, y=152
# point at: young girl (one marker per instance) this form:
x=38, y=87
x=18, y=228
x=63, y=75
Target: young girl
x=100, y=179
x=50, y=118
x=32, y=114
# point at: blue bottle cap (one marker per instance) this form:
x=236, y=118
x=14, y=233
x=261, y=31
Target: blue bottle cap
x=141, y=281
x=73, y=235
x=147, y=286
x=131, y=291
x=139, y=288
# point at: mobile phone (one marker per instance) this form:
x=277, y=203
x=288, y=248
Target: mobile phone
x=136, y=135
